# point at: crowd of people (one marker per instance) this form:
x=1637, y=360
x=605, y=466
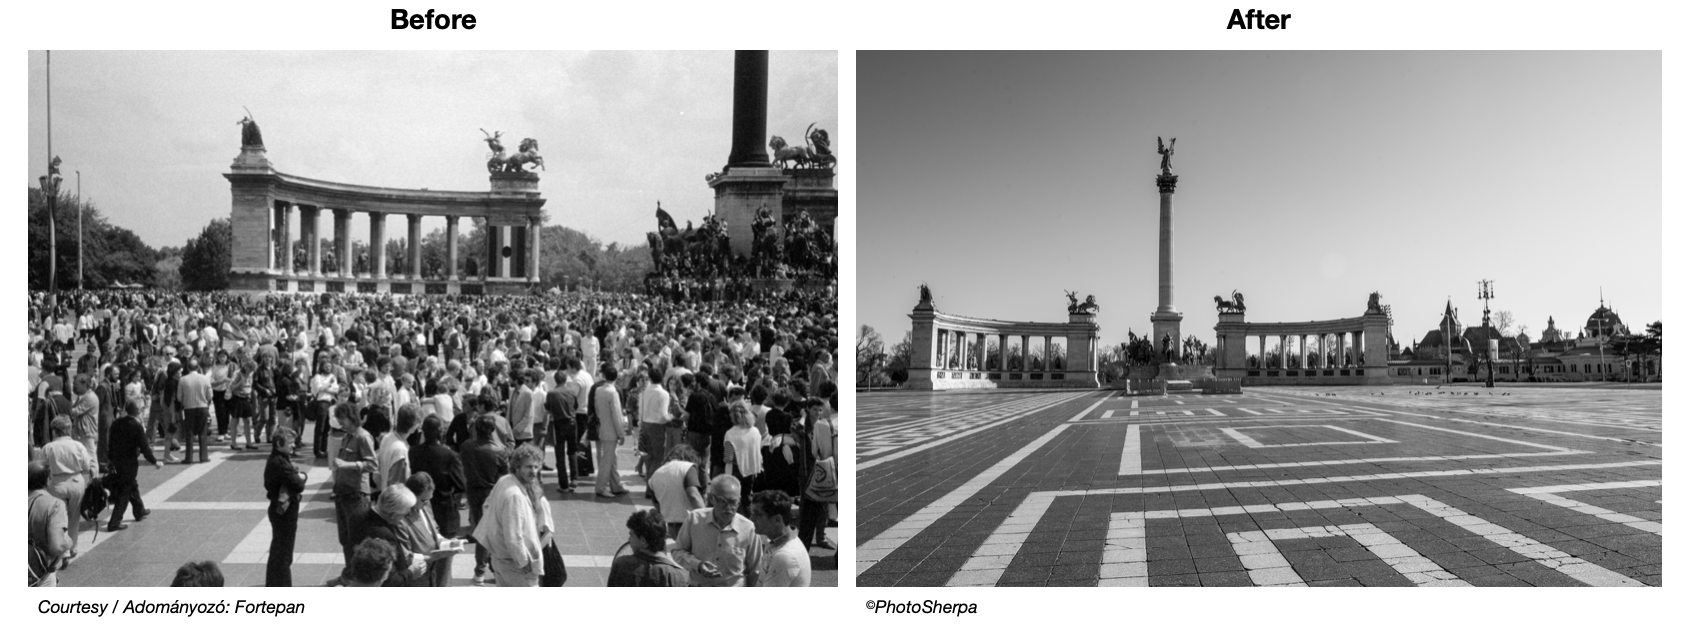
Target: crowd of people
x=427, y=406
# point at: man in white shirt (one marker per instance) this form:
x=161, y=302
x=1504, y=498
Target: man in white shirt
x=394, y=458
x=654, y=417
x=786, y=562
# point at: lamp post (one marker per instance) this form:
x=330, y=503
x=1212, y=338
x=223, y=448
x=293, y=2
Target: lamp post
x=1486, y=323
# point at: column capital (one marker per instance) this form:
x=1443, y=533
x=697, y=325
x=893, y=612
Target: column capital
x=1166, y=183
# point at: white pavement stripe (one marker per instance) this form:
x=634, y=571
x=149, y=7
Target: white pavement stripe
x=1163, y=489
x=1215, y=411
x=1251, y=411
x=992, y=558
x=1476, y=435
x=1494, y=424
x=862, y=466
x=1575, y=567
x=1342, y=462
x=1263, y=562
x=162, y=492
x=1108, y=413
x=1124, y=562
x=1126, y=546
x=879, y=546
x=176, y=483
x=1547, y=494
x=1241, y=438
x=1131, y=452
x=1006, y=407
x=1135, y=404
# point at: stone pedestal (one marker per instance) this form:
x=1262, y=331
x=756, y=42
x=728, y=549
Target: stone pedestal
x=740, y=193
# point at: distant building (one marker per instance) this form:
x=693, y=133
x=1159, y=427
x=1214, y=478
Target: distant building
x=1555, y=357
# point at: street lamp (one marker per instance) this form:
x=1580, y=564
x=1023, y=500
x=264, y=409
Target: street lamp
x=1486, y=323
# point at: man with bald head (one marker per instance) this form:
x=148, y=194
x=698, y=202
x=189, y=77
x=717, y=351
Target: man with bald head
x=720, y=547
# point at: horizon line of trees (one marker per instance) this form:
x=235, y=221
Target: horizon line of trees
x=114, y=255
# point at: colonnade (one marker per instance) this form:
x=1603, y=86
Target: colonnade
x=1332, y=349
x=524, y=240
x=953, y=351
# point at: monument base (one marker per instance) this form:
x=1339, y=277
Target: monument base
x=740, y=193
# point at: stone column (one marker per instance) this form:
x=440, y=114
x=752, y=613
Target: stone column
x=1004, y=353
x=1286, y=349
x=314, y=247
x=452, y=247
x=751, y=89
x=414, y=244
x=1263, y=351
x=534, y=250
x=287, y=236
x=981, y=348
x=343, y=242
x=1166, y=320
x=378, y=264
x=1026, y=359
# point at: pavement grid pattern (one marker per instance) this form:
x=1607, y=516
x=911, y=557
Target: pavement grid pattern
x=1359, y=486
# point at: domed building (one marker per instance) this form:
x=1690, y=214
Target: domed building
x=1555, y=357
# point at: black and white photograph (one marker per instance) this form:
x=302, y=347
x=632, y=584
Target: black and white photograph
x=1237, y=318
x=433, y=318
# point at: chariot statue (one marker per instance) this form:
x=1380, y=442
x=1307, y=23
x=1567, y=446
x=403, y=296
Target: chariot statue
x=528, y=152
x=1236, y=305
x=926, y=294
x=1375, y=303
x=815, y=154
x=1090, y=306
x=1073, y=305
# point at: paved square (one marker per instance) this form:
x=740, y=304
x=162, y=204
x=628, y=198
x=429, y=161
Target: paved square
x=1306, y=487
x=216, y=511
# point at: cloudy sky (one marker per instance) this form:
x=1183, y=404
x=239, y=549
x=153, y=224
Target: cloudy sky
x=1307, y=181
x=151, y=132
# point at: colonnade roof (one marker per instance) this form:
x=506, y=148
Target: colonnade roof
x=955, y=322
x=387, y=200
x=1353, y=324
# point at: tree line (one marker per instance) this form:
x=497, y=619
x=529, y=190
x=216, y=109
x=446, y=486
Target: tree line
x=115, y=256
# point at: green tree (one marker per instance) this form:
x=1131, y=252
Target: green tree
x=205, y=258
x=110, y=254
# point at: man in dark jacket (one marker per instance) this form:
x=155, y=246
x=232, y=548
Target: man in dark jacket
x=128, y=443
x=649, y=566
x=443, y=466
x=484, y=463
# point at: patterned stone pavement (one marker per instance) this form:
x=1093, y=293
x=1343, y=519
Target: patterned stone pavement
x=1308, y=486
x=216, y=511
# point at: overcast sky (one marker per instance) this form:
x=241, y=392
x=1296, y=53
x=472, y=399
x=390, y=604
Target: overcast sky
x=151, y=132
x=1307, y=181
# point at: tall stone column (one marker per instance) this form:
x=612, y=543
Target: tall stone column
x=1027, y=358
x=1004, y=353
x=378, y=263
x=1166, y=321
x=452, y=247
x=748, y=182
x=343, y=242
x=314, y=247
x=1286, y=351
x=286, y=233
x=414, y=244
x=1263, y=351
x=534, y=250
